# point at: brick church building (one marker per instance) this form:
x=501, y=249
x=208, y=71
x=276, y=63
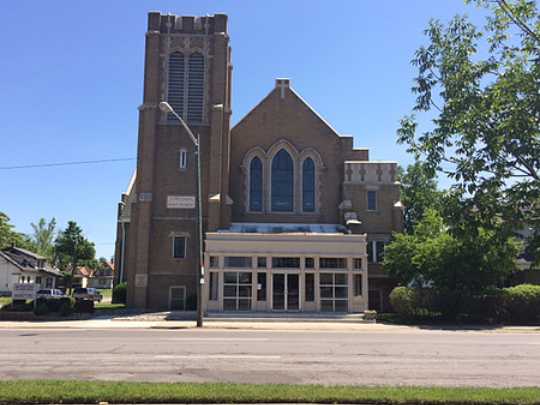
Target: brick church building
x=294, y=217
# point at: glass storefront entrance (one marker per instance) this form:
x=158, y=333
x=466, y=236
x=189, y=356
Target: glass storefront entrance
x=286, y=292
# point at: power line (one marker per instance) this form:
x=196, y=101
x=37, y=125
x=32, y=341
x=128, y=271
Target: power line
x=79, y=162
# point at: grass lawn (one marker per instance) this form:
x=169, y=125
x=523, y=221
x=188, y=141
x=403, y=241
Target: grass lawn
x=84, y=392
x=107, y=293
x=4, y=301
x=102, y=306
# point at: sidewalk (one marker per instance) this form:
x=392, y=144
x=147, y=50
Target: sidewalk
x=262, y=325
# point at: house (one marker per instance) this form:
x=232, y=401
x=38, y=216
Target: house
x=22, y=266
x=101, y=278
x=295, y=218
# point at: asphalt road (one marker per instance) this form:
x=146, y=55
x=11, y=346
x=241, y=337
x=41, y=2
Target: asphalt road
x=369, y=357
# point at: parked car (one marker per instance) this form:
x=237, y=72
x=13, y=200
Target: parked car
x=90, y=294
x=50, y=293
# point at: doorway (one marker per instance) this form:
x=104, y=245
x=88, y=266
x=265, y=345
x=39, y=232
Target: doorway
x=285, y=292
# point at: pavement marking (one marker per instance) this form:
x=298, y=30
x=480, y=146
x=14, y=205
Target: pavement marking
x=216, y=356
x=218, y=339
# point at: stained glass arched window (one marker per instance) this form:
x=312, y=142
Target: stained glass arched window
x=282, y=182
x=308, y=185
x=255, y=185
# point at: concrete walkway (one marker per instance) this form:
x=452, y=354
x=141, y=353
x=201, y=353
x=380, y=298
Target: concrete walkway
x=262, y=325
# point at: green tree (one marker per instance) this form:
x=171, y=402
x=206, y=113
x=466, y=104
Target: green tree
x=9, y=236
x=435, y=257
x=483, y=88
x=418, y=193
x=43, y=237
x=73, y=250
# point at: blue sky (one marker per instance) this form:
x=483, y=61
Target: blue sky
x=71, y=80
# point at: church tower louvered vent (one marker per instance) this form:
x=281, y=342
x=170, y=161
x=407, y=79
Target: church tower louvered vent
x=177, y=72
x=195, y=88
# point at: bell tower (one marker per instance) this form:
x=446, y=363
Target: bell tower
x=187, y=64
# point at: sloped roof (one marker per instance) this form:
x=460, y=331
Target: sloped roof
x=295, y=94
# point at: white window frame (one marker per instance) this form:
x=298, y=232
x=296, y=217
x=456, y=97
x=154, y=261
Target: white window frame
x=182, y=287
x=376, y=202
x=183, y=159
x=185, y=246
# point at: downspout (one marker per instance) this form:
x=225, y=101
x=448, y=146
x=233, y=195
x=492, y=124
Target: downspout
x=122, y=252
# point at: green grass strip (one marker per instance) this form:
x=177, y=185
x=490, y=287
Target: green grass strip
x=91, y=392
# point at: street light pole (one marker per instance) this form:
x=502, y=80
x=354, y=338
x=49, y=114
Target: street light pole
x=166, y=107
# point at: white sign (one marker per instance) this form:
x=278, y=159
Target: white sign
x=24, y=291
x=181, y=201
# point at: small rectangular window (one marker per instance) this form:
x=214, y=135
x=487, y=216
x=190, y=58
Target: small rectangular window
x=372, y=200
x=179, y=247
x=357, y=262
x=261, y=286
x=183, y=158
x=214, y=287
x=310, y=287
x=261, y=262
x=379, y=251
x=237, y=262
x=310, y=263
x=370, y=251
x=332, y=263
x=286, y=262
x=357, y=285
x=214, y=262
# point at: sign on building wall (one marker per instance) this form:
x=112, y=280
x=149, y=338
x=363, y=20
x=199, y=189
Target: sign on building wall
x=24, y=291
x=181, y=201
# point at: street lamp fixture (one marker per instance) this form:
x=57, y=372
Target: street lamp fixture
x=167, y=108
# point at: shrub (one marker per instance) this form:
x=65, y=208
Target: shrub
x=66, y=306
x=404, y=301
x=41, y=308
x=370, y=315
x=119, y=294
x=84, y=306
x=522, y=303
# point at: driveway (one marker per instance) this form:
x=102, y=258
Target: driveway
x=372, y=354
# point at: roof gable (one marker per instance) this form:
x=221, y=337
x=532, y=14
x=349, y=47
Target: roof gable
x=284, y=93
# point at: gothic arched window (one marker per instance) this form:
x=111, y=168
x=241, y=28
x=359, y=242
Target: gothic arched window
x=175, y=89
x=282, y=182
x=195, y=89
x=255, y=185
x=308, y=185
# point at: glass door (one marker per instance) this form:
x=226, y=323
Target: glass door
x=278, y=291
x=293, y=292
x=285, y=292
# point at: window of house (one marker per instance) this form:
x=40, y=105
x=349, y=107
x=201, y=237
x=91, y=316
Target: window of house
x=309, y=263
x=357, y=263
x=195, y=87
x=261, y=286
x=332, y=263
x=38, y=280
x=179, y=247
x=214, y=286
x=49, y=282
x=375, y=251
x=357, y=285
x=379, y=251
x=334, y=292
x=261, y=262
x=372, y=200
x=308, y=185
x=237, y=261
x=214, y=262
x=182, y=159
x=255, y=185
x=282, y=182
x=175, y=90
x=310, y=287
x=285, y=262
x=237, y=291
